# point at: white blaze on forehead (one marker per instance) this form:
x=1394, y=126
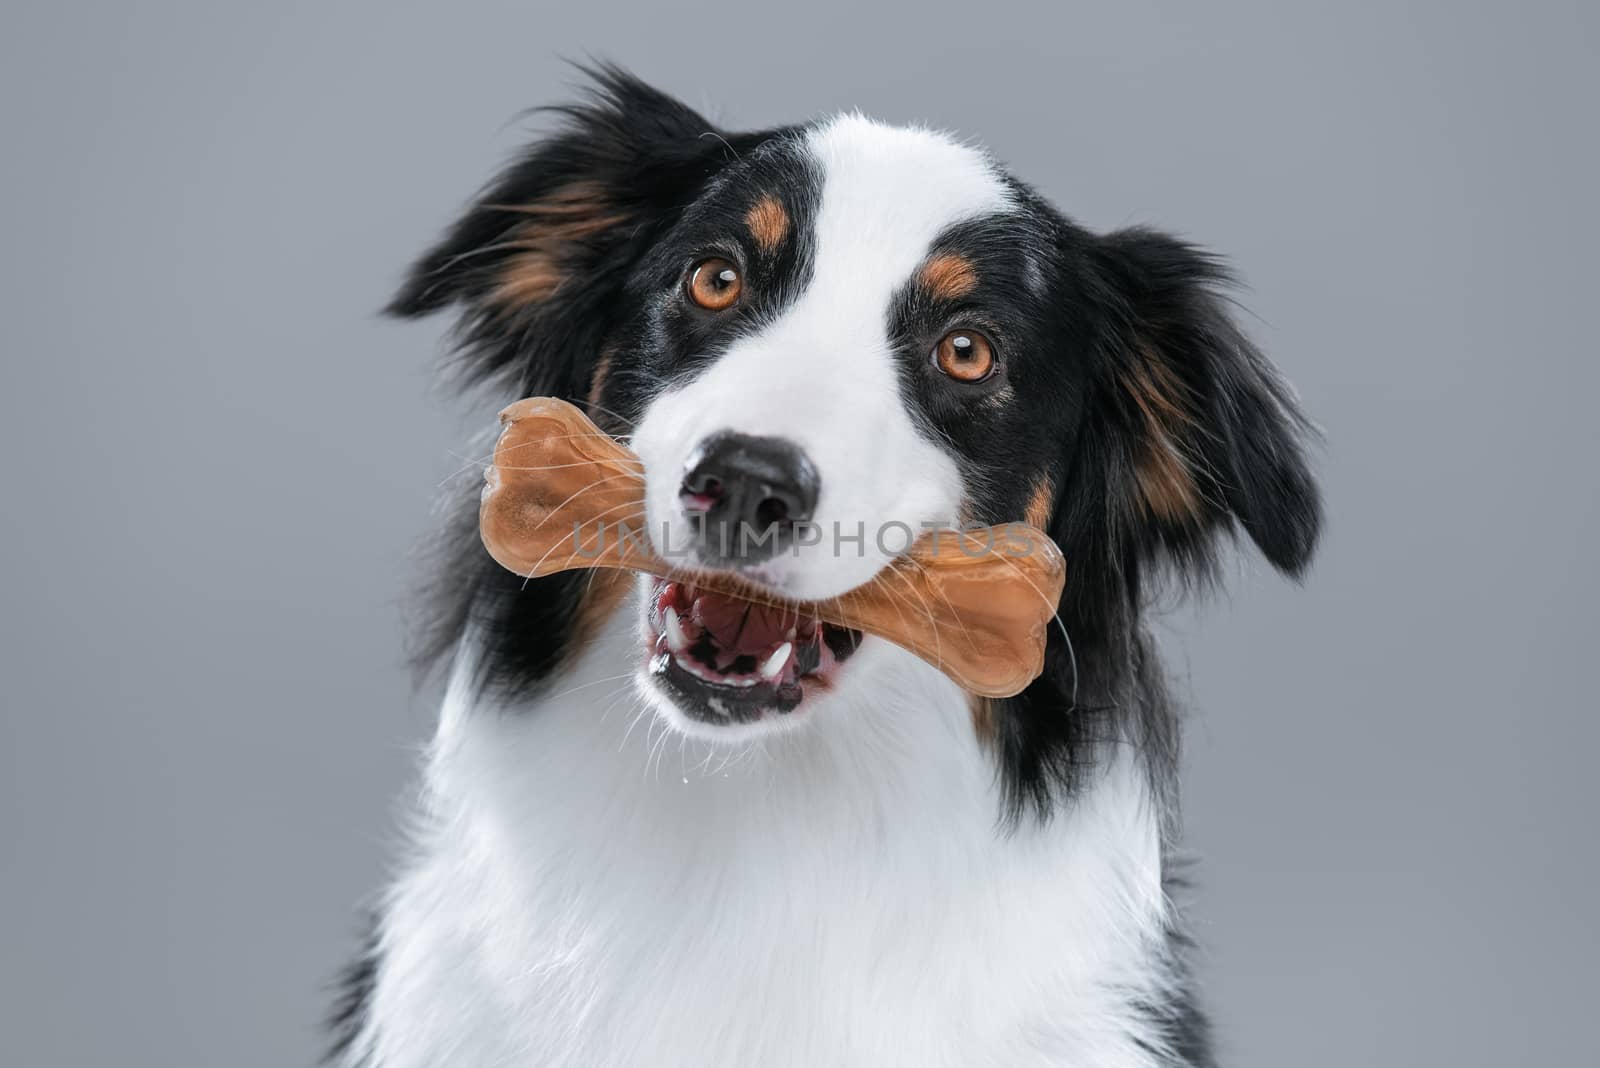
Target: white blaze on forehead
x=888, y=192
x=824, y=374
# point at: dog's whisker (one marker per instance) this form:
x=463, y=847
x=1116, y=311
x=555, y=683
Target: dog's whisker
x=595, y=406
x=624, y=522
x=585, y=488
x=683, y=756
x=933, y=620
x=651, y=765
x=617, y=697
x=644, y=709
x=597, y=519
x=571, y=536
x=577, y=548
x=957, y=616
x=488, y=459
x=1055, y=615
x=560, y=467
x=586, y=685
x=896, y=599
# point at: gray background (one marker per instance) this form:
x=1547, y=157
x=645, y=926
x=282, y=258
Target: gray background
x=218, y=462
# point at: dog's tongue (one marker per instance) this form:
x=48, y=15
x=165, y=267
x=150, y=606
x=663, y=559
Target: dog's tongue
x=742, y=627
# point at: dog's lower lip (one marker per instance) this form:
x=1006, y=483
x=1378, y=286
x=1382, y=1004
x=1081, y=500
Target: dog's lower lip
x=728, y=660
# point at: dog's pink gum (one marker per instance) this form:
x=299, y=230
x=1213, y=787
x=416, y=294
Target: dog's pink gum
x=975, y=604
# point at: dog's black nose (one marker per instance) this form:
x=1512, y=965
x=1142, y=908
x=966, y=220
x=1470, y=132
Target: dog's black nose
x=747, y=495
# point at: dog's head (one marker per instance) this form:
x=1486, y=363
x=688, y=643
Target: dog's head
x=822, y=339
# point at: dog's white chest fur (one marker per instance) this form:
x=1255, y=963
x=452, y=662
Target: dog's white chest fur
x=590, y=891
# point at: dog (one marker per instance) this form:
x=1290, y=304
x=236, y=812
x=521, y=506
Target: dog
x=659, y=828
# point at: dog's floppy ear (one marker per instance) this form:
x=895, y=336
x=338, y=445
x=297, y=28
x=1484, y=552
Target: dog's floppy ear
x=1194, y=431
x=536, y=262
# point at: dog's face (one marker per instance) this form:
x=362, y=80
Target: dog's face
x=820, y=329
x=823, y=340
x=814, y=349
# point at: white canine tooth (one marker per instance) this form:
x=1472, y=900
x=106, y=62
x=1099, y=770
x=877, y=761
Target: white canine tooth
x=775, y=662
x=677, y=641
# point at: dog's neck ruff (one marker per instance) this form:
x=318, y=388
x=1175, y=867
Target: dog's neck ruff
x=587, y=889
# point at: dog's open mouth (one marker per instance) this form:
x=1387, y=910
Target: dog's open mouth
x=724, y=659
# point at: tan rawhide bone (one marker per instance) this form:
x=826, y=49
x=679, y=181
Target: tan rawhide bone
x=562, y=494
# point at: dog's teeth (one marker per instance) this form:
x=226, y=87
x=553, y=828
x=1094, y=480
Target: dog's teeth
x=677, y=641
x=692, y=668
x=775, y=662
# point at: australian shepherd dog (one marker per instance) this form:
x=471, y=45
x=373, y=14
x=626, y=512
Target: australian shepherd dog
x=659, y=827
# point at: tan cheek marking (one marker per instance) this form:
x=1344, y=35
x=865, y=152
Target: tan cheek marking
x=1041, y=504
x=948, y=276
x=1166, y=481
x=768, y=222
x=545, y=240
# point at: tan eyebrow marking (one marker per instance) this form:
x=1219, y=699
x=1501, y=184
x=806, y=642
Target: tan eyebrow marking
x=948, y=276
x=768, y=222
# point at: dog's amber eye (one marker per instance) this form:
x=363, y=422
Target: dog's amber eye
x=965, y=356
x=715, y=284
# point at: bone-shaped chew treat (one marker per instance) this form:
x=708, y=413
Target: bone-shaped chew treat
x=562, y=494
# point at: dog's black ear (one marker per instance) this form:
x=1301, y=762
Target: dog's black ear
x=535, y=263
x=1196, y=432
